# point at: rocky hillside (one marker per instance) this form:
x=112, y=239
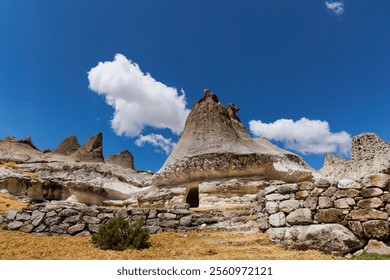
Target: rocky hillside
x=70, y=172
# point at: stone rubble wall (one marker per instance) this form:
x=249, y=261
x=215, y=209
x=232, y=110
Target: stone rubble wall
x=303, y=215
x=370, y=154
x=61, y=218
x=363, y=207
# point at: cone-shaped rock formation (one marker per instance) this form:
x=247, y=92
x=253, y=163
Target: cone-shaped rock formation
x=68, y=146
x=92, y=150
x=124, y=159
x=214, y=144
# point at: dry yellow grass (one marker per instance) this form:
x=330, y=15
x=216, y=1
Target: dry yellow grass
x=164, y=246
x=11, y=164
x=202, y=245
x=8, y=202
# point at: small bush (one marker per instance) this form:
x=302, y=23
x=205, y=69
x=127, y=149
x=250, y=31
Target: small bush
x=117, y=234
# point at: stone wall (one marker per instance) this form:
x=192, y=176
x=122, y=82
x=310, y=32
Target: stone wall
x=370, y=154
x=335, y=217
x=61, y=218
x=361, y=207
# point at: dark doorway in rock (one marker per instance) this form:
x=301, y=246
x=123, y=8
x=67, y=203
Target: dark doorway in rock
x=193, y=197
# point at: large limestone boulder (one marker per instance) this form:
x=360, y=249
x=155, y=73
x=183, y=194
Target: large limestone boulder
x=68, y=146
x=214, y=144
x=92, y=150
x=124, y=159
x=370, y=154
x=328, y=238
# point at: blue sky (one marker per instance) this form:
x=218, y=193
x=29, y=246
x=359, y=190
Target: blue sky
x=324, y=61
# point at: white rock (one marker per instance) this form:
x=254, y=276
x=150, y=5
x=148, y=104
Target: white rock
x=379, y=180
x=271, y=207
x=328, y=238
x=377, y=247
x=344, y=203
x=348, y=184
x=277, y=220
x=276, y=196
x=300, y=216
x=288, y=206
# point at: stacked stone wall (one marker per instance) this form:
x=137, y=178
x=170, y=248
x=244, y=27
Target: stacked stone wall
x=363, y=207
x=286, y=211
x=61, y=218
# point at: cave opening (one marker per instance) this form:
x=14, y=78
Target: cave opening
x=193, y=197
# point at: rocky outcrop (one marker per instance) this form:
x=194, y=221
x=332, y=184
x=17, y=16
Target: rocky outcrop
x=377, y=247
x=13, y=150
x=28, y=142
x=370, y=154
x=89, y=183
x=329, y=238
x=214, y=144
x=124, y=159
x=70, y=172
x=91, y=151
x=68, y=146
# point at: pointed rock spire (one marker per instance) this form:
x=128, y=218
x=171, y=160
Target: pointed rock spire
x=215, y=144
x=92, y=150
x=124, y=159
x=68, y=146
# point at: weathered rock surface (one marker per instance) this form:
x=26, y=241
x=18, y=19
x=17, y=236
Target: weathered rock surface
x=92, y=150
x=124, y=159
x=214, y=144
x=68, y=146
x=370, y=154
x=12, y=150
x=69, y=172
x=377, y=247
x=328, y=238
x=377, y=229
x=300, y=216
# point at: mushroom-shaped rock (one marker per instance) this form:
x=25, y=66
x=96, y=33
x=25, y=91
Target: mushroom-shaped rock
x=68, y=146
x=215, y=144
x=124, y=159
x=91, y=151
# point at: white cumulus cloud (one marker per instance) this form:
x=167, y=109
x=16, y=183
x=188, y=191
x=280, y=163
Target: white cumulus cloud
x=137, y=98
x=335, y=7
x=304, y=135
x=156, y=140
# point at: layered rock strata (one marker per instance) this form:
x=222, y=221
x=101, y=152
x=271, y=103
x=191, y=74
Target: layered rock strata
x=214, y=144
x=70, y=172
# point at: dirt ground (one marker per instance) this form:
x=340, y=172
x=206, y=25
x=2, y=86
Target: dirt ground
x=203, y=245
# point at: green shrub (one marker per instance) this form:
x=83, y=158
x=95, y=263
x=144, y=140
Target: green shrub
x=117, y=234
